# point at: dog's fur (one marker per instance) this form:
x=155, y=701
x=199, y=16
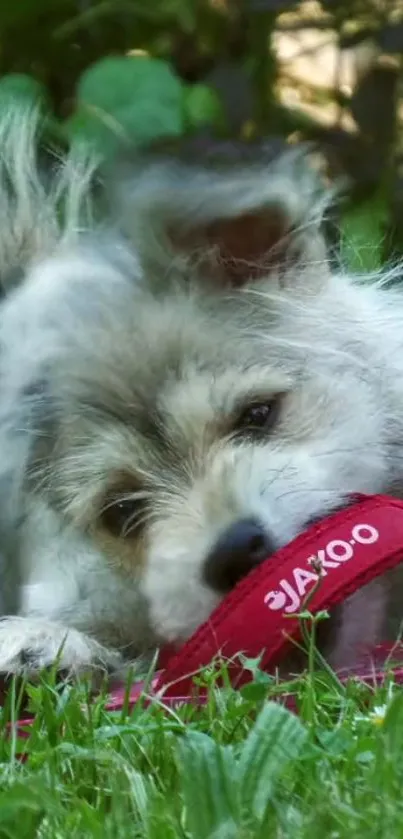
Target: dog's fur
x=129, y=350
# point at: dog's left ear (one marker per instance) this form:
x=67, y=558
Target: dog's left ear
x=229, y=227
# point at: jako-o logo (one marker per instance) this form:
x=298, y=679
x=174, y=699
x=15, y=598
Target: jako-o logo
x=289, y=596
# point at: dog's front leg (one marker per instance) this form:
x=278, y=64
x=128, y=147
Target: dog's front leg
x=28, y=645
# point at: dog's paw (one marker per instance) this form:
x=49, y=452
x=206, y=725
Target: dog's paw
x=29, y=645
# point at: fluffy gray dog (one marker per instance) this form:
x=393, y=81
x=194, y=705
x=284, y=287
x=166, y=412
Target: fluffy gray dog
x=184, y=386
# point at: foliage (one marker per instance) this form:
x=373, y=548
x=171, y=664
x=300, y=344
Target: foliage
x=113, y=72
x=240, y=766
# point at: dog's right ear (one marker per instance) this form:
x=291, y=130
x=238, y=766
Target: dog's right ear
x=225, y=226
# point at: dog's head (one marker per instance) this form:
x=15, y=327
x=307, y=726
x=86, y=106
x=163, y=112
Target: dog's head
x=208, y=408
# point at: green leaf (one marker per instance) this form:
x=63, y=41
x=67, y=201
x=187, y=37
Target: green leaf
x=255, y=691
x=203, y=107
x=132, y=99
x=261, y=683
x=207, y=771
x=19, y=88
x=276, y=738
x=90, y=129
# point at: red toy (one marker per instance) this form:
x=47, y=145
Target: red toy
x=351, y=547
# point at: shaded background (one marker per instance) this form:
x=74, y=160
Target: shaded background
x=226, y=77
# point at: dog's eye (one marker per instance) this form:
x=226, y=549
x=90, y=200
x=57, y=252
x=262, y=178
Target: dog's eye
x=258, y=417
x=123, y=517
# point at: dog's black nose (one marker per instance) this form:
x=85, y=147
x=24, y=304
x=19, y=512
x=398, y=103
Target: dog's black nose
x=242, y=547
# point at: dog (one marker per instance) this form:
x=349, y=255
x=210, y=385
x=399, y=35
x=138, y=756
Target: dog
x=186, y=382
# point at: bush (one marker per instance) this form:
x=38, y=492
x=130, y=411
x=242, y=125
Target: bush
x=110, y=72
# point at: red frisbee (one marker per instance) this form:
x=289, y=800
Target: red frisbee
x=347, y=550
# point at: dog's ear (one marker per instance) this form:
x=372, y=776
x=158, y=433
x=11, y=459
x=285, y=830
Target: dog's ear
x=228, y=226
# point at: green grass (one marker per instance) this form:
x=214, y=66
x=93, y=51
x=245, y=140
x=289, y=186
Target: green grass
x=241, y=766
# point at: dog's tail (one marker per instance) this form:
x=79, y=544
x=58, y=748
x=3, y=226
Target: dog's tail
x=38, y=210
